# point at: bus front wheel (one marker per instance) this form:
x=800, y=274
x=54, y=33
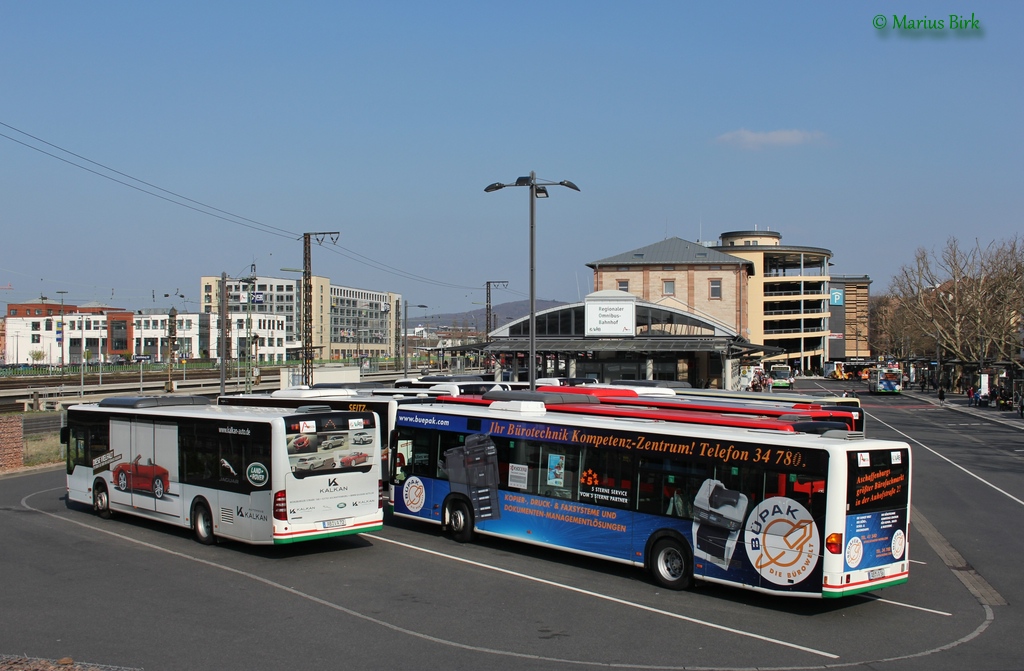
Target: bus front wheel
x=202, y=524
x=460, y=521
x=101, y=502
x=671, y=565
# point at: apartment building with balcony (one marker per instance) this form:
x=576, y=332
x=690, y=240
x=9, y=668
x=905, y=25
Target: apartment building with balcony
x=787, y=294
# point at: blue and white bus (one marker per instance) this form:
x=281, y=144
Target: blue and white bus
x=885, y=380
x=793, y=514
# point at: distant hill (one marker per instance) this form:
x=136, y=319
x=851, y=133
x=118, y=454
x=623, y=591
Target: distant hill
x=477, y=319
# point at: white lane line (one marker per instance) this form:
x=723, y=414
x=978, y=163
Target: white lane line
x=907, y=605
x=416, y=634
x=605, y=597
x=950, y=461
x=918, y=561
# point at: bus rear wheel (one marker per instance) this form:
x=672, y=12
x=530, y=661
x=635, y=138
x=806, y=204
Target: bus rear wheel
x=202, y=524
x=460, y=521
x=101, y=502
x=671, y=564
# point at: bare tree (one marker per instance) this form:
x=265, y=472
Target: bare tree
x=966, y=300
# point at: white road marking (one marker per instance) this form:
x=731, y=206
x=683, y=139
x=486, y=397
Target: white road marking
x=907, y=605
x=950, y=461
x=428, y=637
x=605, y=597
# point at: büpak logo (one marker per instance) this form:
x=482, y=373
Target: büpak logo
x=782, y=540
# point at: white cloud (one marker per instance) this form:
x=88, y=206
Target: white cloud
x=748, y=139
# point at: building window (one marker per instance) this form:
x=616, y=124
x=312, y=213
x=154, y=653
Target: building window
x=668, y=287
x=715, y=290
x=36, y=338
x=49, y=324
x=35, y=326
x=623, y=285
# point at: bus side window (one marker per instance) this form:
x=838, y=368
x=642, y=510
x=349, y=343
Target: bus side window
x=668, y=488
x=559, y=465
x=513, y=457
x=424, y=455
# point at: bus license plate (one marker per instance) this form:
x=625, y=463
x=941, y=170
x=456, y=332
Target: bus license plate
x=333, y=524
x=876, y=574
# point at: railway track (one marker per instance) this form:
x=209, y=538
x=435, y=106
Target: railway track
x=14, y=390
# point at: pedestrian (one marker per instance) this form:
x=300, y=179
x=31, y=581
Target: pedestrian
x=942, y=395
x=970, y=396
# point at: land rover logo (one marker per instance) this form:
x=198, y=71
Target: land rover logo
x=257, y=474
x=342, y=504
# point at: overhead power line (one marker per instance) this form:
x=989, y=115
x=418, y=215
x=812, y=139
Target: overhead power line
x=224, y=215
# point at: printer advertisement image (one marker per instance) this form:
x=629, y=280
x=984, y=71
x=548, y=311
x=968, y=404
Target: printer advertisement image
x=780, y=540
x=473, y=471
x=718, y=515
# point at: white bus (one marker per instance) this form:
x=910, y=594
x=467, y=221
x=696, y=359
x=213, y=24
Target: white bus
x=781, y=375
x=885, y=380
x=256, y=475
x=382, y=401
x=780, y=513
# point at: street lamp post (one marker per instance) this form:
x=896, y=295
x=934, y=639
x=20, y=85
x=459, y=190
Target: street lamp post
x=60, y=332
x=537, y=190
x=405, y=338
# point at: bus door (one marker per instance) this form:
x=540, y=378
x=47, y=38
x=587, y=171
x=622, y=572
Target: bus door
x=144, y=477
x=165, y=466
x=417, y=489
x=121, y=432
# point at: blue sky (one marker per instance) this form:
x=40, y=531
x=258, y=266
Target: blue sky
x=384, y=121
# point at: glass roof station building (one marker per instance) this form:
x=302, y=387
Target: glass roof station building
x=615, y=335
x=687, y=311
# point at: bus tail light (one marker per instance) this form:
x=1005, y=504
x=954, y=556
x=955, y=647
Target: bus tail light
x=380, y=494
x=834, y=543
x=280, y=506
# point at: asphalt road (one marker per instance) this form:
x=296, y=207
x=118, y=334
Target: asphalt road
x=129, y=593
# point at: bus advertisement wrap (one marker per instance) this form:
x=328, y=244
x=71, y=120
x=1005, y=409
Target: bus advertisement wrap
x=745, y=507
x=875, y=539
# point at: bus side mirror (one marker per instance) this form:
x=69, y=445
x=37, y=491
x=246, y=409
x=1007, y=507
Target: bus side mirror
x=65, y=434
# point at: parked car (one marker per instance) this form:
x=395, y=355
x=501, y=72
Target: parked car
x=141, y=477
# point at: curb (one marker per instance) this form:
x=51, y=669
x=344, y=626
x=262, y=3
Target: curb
x=28, y=470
